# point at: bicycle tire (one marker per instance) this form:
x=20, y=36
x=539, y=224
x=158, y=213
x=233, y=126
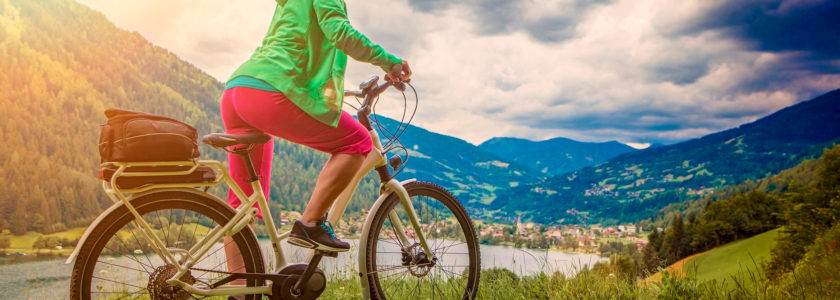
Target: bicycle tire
x=378, y=254
x=193, y=205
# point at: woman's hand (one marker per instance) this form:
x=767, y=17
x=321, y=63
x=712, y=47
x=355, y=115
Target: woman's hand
x=400, y=72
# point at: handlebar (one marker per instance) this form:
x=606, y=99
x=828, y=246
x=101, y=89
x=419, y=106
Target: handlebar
x=370, y=90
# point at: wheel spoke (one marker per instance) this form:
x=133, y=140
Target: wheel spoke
x=446, y=232
x=133, y=257
x=120, y=272
x=114, y=281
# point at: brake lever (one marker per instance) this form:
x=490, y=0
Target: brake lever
x=400, y=86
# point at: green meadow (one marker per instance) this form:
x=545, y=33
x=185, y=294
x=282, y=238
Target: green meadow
x=740, y=258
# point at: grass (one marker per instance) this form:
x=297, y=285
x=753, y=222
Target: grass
x=70, y=234
x=733, y=259
x=607, y=283
x=23, y=243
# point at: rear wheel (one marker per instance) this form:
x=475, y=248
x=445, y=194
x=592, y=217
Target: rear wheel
x=397, y=270
x=116, y=262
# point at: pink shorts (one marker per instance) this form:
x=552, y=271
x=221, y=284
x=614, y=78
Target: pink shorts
x=247, y=110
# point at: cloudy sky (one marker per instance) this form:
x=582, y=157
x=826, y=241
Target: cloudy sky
x=636, y=71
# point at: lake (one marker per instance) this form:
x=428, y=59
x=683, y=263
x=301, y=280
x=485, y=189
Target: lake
x=50, y=279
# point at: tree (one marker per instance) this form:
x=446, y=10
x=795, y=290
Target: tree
x=570, y=242
x=19, y=224
x=813, y=210
x=673, y=242
x=623, y=266
x=655, y=239
x=650, y=259
x=5, y=242
x=40, y=243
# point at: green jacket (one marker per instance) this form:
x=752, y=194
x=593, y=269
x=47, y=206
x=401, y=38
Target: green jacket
x=304, y=55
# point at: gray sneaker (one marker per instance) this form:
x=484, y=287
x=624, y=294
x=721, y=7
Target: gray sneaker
x=319, y=237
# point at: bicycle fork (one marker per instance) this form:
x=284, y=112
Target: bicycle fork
x=412, y=218
x=390, y=186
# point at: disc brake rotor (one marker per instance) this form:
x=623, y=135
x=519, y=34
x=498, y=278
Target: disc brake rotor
x=416, y=260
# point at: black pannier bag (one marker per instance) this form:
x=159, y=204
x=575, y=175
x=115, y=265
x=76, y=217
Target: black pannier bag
x=130, y=136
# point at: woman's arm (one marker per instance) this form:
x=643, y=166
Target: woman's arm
x=332, y=17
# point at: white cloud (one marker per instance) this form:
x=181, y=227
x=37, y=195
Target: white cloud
x=623, y=74
x=215, y=35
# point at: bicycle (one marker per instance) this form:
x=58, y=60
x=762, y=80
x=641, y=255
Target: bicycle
x=161, y=237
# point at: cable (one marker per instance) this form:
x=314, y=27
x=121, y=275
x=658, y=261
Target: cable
x=394, y=142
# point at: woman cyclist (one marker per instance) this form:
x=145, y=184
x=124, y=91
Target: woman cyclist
x=292, y=87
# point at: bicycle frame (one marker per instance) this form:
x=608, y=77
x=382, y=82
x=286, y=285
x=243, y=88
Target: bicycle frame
x=246, y=213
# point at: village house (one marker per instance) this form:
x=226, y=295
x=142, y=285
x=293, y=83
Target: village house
x=555, y=234
x=498, y=232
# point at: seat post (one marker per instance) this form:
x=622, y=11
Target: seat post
x=243, y=153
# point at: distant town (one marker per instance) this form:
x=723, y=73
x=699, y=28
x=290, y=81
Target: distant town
x=592, y=239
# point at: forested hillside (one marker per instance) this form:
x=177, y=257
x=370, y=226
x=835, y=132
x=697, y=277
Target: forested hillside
x=803, y=174
x=635, y=185
x=63, y=65
x=554, y=156
x=466, y=170
x=806, y=208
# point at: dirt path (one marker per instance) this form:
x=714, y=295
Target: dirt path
x=675, y=269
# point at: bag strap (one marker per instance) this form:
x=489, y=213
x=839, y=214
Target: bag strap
x=115, y=115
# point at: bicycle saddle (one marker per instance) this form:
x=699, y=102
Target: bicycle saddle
x=220, y=140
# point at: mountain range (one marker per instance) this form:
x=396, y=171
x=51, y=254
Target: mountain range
x=469, y=172
x=554, y=156
x=634, y=185
x=64, y=64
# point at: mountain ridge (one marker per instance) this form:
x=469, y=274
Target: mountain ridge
x=556, y=155
x=65, y=64
x=634, y=185
x=439, y=158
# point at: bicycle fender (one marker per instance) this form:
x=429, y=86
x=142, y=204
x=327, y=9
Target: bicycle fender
x=391, y=186
x=111, y=209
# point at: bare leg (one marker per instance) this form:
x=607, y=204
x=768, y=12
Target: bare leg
x=338, y=172
x=235, y=263
x=336, y=175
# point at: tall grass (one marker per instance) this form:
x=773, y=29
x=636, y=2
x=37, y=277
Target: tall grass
x=609, y=283
x=500, y=283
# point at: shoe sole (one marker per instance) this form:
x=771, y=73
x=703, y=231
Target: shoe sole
x=305, y=243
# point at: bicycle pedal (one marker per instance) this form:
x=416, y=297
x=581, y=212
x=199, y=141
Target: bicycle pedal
x=326, y=253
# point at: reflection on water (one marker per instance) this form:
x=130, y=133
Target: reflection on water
x=51, y=279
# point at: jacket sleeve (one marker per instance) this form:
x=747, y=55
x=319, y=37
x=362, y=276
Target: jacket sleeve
x=332, y=18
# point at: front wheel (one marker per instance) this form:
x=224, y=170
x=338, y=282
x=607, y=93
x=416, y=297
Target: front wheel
x=400, y=270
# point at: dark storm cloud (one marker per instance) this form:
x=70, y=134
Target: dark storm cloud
x=647, y=123
x=680, y=74
x=429, y=5
x=506, y=16
x=807, y=26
